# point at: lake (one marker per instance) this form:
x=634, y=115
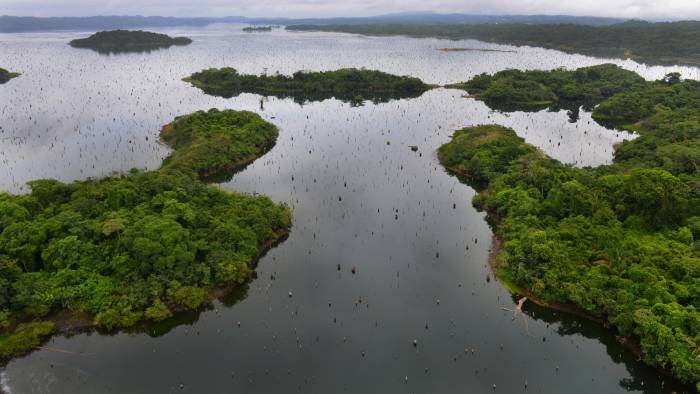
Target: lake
x=385, y=248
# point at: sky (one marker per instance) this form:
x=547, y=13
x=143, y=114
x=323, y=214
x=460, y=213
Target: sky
x=645, y=9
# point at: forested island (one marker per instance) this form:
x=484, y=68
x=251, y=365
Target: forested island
x=120, y=41
x=350, y=85
x=253, y=29
x=619, y=243
x=141, y=246
x=653, y=43
x=5, y=75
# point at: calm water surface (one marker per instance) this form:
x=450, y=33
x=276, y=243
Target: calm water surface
x=362, y=201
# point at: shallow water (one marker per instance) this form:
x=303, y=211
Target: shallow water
x=361, y=199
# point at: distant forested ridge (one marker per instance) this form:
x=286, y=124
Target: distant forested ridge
x=350, y=85
x=12, y=24
x=141, y=246
x=654, y=43
x=6, y=75
x=619, y=242
x=117, y=41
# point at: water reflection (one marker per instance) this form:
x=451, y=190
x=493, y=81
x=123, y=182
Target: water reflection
x=565, y=324
x=412, y=251
x=124, y=50
x=353, y=87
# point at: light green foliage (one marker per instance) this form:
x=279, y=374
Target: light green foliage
x=190, y=296
x=6, y=75
x=26, y=337
x=158, y=311
x=619, y=241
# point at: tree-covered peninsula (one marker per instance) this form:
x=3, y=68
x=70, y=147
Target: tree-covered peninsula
x=653, y=43
x=350, y=85
x=120, y=41
x=619, y=242
x=5, y=75
x=535, y=90
x=140, y=246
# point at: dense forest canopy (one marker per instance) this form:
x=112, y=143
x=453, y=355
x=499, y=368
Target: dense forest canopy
x=620, y=242
x=654, y=43
x=350, y=85
x=217, y=143
x=138, y=246
x=6, y=75
x=556, y=89
x=117, y=41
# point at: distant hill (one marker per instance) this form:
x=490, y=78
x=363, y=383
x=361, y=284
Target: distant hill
x=436, y=18
x=12, y=24
x=667, y=43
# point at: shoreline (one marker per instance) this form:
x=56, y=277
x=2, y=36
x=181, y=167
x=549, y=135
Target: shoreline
x=67, y=323
x=651, y=61
x=630, y=343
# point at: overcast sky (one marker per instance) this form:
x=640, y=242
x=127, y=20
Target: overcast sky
x=650, y=9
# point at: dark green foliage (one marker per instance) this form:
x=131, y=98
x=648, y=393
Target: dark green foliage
x=515, y=89
x=118, y=41
x=6, y=75
x=252, y=29
x=141, y=245
x=350, y=85
x=621, y=241
x=656, y=43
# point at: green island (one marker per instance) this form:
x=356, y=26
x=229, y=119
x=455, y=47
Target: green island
x=619, y=243
x=653, y=43
x=123, y=41
x=350, y=85
x=5, y=75
x=114, y=252
x=253, y=29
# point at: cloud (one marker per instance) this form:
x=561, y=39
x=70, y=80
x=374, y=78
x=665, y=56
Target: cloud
x=652, y=9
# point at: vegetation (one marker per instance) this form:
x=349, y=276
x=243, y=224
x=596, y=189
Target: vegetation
x=14, y=24
x=26, y=336
x=534, y=90
x=252, y=29
x=216, y=143
x=620, y=242
x=654, y=43
x=350, y=85
x=119, y=41
x=138, y=246
x=6, y=75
